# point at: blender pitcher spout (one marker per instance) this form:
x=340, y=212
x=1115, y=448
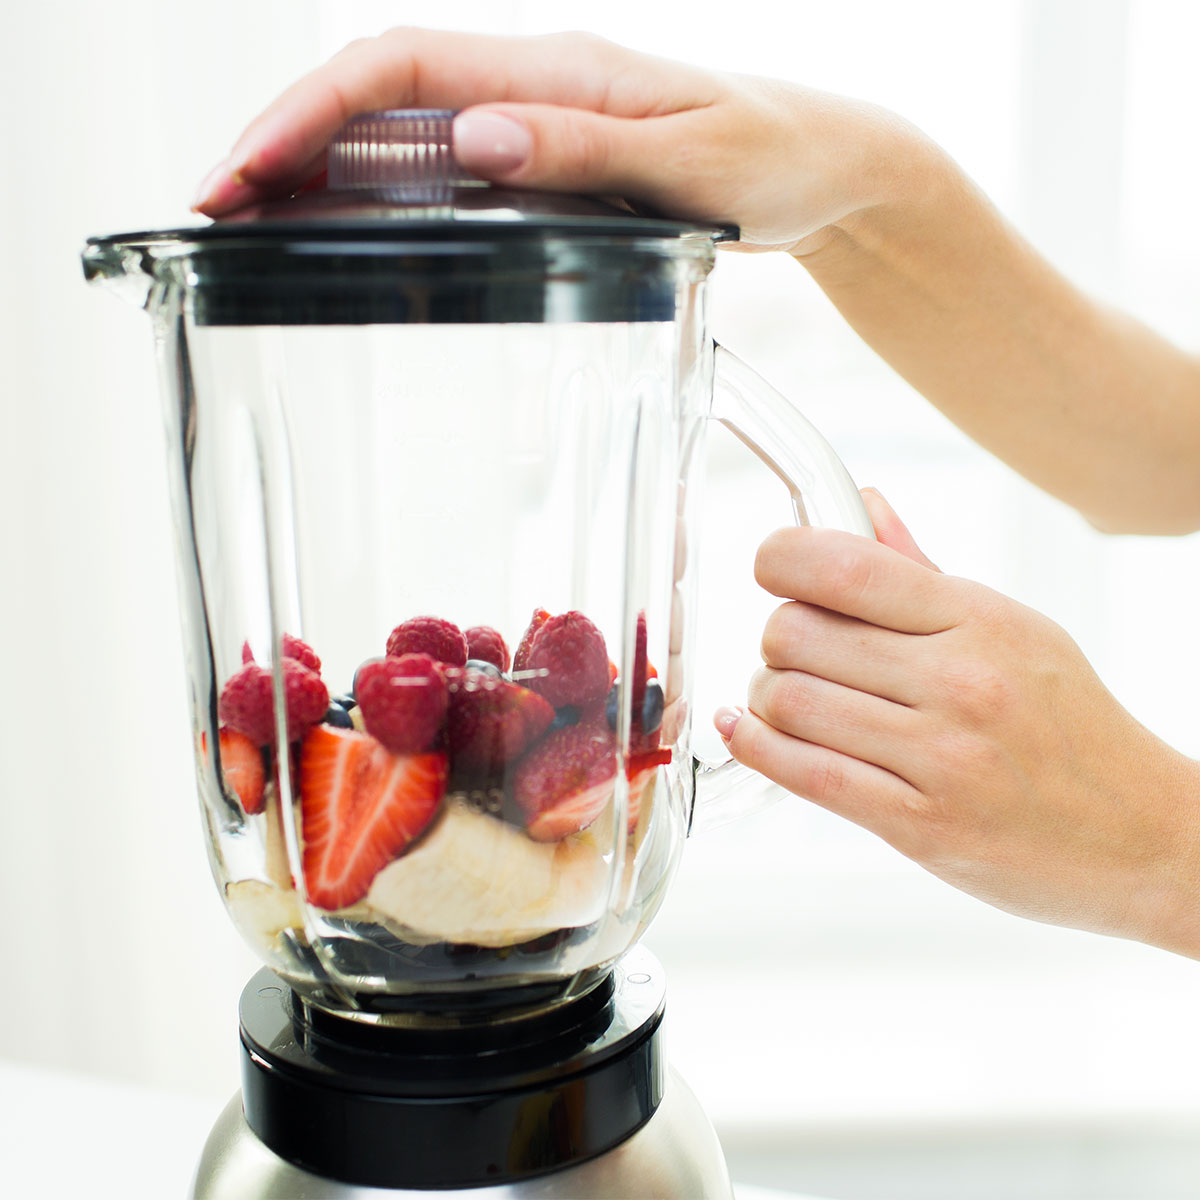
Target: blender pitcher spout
x=821, y=493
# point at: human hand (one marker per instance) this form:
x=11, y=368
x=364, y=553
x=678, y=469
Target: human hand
x=576, y=113
x=970, y=733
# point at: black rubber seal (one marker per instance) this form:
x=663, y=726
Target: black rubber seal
x=450, y=1108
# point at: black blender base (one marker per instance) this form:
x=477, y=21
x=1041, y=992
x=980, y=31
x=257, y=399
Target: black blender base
x=571, y=1102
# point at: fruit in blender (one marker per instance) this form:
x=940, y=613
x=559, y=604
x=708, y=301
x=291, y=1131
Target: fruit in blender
x=568, y=660
x=486, y=644
x=247, y=701
x=361, y=806
x=476, y=879
x=536, y=621
x=490, y=721
x=562, y=785
x=442, y=640
x=403, y=701
x=242, y=769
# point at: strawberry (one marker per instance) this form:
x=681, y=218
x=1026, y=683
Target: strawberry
x=562, y=785
x=491, y=721
x=360, y=807
x=639, y=770
x=570, y=660
x=539, y=618
x=485, y=644
x=247, y=701
x=441, y=640
x=241, y=766
x=403, y=701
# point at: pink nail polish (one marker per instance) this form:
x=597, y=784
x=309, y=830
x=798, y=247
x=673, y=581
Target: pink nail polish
x=490, y=143
x=221, y=192
x=726, y=719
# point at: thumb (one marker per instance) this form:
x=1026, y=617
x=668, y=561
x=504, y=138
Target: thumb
x=557, y=148
x=890, y=530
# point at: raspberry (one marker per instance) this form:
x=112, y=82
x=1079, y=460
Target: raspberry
x=571, y=660
x=520, y=659
x=441, y=640
x=293, y=647
x=486, y=645
x=247, y=701
x=403, y=701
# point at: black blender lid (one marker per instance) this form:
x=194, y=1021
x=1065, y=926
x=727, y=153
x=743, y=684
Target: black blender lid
x=401, y=234
x=392, y=174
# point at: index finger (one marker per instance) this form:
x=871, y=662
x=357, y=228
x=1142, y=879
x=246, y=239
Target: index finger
x=427, y=68
x=859, y=577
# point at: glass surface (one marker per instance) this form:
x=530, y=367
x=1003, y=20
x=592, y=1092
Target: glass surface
x=332, y=483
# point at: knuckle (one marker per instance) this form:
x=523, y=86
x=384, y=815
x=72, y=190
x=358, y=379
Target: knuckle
x=782, y=633
x=782, y=698
x=775, y=554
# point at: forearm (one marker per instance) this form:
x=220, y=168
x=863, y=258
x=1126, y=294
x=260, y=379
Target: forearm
x=1082, y=400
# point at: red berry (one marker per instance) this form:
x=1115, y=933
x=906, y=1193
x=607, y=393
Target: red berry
x=360, y=806
x=539, y=618
x=403, y=701
x=293, y=647
x=242, y=769
x=485, y=644
x=441, y=640
x=562, y=785
x=570, y=660
x=491, y=721
x=639, y=770
x=247, y=701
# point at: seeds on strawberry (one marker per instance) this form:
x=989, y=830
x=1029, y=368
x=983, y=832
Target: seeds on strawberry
x=486, y=644
x=403, y=701
x=442, y=640
x=520, y=659
x=490, y=721
x=361, y=806
x=569, y=660
x=247, y=701
x=242, y=769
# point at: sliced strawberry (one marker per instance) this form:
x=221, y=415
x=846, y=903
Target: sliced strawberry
x=242, y=768
x=490, y=721
x=520, y=658
x=361, y=806
x=562, y=785
x=639, y=770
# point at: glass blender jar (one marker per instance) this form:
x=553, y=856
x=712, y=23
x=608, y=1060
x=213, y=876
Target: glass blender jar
x=434, y=452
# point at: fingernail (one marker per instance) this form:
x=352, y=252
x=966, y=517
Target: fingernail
x=221, y=191
x=726, y=719
x=489, y=142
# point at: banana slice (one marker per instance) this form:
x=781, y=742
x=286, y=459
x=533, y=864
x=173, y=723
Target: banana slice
x=473, y=878
x=261, y=911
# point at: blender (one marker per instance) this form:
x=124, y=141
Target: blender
x=435, y=459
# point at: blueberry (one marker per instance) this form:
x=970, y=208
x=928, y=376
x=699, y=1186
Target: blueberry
x=347, y=701
x=488, y=668
x=652, y=706
x=612, y=706
x=569, y=714
x=337, y=716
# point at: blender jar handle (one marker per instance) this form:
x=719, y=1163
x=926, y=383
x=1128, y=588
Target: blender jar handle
x=822, y=493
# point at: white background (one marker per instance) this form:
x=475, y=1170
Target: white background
x=827, y=998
